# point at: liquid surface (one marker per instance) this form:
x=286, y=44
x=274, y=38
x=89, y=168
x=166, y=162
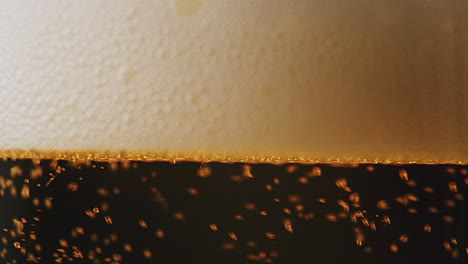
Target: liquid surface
x=311, y=80
x=203, y=157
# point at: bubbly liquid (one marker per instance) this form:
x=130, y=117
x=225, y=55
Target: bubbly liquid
x=59, y=211
x=297, y=100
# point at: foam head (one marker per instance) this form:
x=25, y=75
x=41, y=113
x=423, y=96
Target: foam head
x=236, y=80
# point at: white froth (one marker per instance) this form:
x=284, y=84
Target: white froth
x=366, y=79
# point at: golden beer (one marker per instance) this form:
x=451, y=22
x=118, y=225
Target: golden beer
x=233, y=131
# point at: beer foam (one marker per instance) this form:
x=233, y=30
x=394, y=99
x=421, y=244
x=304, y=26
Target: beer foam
x=313, y=80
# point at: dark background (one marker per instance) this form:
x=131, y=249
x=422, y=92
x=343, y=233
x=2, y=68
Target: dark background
x=159, y=194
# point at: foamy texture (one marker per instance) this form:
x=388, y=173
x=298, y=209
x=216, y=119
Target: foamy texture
x=361, y=80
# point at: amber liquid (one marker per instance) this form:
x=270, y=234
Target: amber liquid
x=59, y=211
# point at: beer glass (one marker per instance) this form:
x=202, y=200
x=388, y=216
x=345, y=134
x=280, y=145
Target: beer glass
x=242, y=131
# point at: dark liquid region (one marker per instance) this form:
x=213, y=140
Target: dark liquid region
x=159, y=212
